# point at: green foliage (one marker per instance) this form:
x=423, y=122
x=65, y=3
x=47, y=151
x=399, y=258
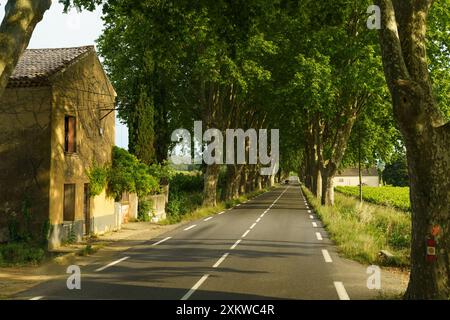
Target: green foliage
x=128, y=174
x=98, y=179
x=396, y=197
x=396, y=173
x=163, y=172
x=361, y=232
x=144, y=208
x=186, y=183
x=15, y=253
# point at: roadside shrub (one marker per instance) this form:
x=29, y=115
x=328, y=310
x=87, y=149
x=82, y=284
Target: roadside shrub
x=186, y=183
x=144, y=207
x=20, y=253
x=128, y=174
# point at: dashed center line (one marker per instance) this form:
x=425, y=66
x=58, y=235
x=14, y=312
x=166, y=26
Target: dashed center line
x=207, y=219
x=311, y=216
x=253, y=225
x=221, y=260
x=342, y=293
x=163, y=240
x=258, y=220
x=326, y=256
x=246, y=233
x=191, y=227
x=319, y=236
x=112, y=264
x=235, y=244
x=195, y=287
x=314, y=224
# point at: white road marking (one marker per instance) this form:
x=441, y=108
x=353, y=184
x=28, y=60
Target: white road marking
x=221, y=260
x=342, y=293
x=207, y=219
x=314, y=224
x=235, y=244
x=112, y=264
x=221, y=213
x=195, y=287
x=163, y=240
x=258, y=220
x=37, y=298
x=326, y=256
x=319, y=236
x=309, y=211
x=262, y=215
x=191, y=227
x=238, y=205
x=311, y=216
x=245, y=234
x=253, y=225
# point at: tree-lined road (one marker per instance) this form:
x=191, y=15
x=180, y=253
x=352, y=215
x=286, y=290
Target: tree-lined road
x=272, y=247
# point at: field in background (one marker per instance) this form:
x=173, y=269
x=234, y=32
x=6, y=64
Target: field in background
x=396, y=197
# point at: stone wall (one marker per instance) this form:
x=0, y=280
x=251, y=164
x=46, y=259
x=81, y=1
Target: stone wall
x=25, y=117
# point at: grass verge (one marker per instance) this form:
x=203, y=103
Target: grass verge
x=361, y=231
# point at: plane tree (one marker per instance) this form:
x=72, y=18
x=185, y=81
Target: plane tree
x=426, y=132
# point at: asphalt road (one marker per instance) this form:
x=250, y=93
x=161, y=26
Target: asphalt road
x=272, y=247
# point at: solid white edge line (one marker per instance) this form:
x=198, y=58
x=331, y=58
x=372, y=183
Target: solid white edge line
x=235, y=244
x=340, y=289
x=314, y=224
x=37, y=298
x=191, y=227
x=319, y=236
x=245, y=234
x=195, y=287
x=253, y=225
x=326, y=256
x=111, y=264
x=221, y=260
x=161, y=241
x=207, y=219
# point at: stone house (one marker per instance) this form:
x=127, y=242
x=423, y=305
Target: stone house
x=57, y=121
x=350, y=177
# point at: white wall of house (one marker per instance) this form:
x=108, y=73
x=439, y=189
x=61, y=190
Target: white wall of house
x=371, y=181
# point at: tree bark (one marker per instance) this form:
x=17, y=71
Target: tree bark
x=21, y=17
x=210, y=185
x=427, y=139
x=233, y=181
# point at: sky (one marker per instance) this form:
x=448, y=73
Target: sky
x=58, y=30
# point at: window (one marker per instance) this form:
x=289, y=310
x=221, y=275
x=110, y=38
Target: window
x=69, y=202
x=70, y=143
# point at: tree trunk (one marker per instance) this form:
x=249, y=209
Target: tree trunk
x=233, y=181
x=210, y=185
x=427, y=139
x=21, y=17
x=327, y=190
x=317, y=182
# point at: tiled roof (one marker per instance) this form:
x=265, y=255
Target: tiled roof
x=37, y=65
x=354, y=172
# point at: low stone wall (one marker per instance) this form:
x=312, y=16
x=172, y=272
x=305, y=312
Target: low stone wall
x=158, y=211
